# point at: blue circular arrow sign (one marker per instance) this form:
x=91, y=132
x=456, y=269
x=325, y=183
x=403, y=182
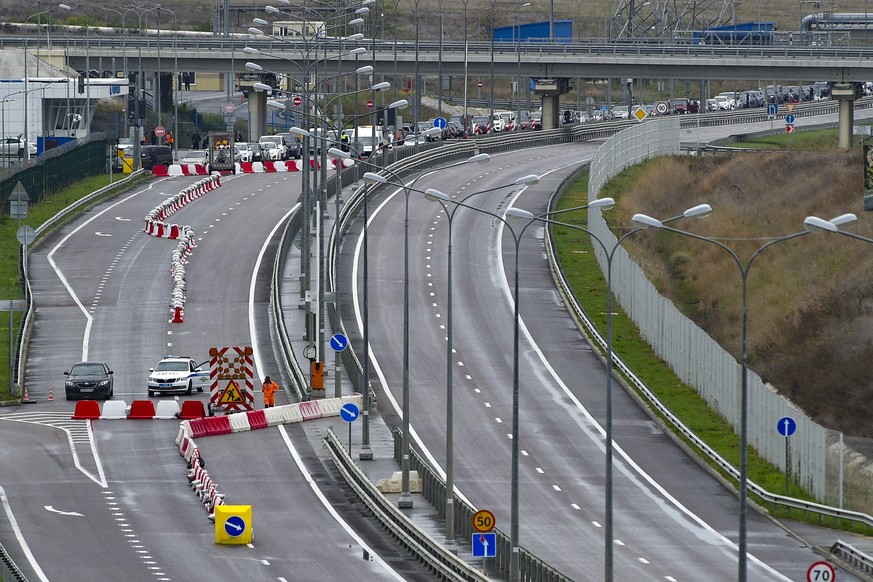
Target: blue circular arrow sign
x=235, y=526
x=349, y=412
x=789, y=118
x=440, y=122
x=338, y=342
x=786, y=426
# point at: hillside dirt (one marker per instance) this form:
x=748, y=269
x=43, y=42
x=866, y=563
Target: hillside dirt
x=810, y=299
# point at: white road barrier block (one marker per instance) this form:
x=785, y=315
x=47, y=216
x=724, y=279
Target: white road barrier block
x=291, y=413
x=114, y=410
x=330, y=406
x=239, y=422
x=274, y=416
x=167, y=410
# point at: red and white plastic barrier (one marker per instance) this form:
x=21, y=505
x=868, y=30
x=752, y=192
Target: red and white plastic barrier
x=155, y=226
x=199, y=479
x=287, y=166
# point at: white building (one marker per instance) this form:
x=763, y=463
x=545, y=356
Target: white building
x=52, y=101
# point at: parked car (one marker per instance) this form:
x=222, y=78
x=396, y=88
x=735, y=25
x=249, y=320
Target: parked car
x=275, y=146
x=199, y=157
x=293, y=145
x=679, y=105
x=481, y=124
x=258, y=152
x=244, y=151
x=178, y=374
x=620, y=112
x=155, y=155
x=13, y=147
x=89, y=380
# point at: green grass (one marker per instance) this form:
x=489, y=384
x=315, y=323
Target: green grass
x=816, y=140
x=576, y=254
x=9, y=282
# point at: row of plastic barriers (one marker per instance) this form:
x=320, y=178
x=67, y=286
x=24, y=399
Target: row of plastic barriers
x=286, y=166
x=139, y=409
x=190, y=429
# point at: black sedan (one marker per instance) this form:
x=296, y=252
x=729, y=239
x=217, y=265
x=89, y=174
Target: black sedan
x=89, y=380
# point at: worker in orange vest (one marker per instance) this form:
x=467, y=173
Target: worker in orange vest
x=170, y=139
x=270, y=388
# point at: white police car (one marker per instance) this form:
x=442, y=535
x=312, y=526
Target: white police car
x=178, y=374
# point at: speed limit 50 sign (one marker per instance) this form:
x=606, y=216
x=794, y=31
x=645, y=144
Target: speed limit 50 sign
x=483, y=521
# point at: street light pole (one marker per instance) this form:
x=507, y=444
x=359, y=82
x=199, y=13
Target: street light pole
x=609, y=252
x=26, y=133
x=811, y=224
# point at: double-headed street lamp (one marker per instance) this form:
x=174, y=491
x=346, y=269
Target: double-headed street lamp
x=811, y=224
x=26, y=132
x=609, y=253
x=445, y=200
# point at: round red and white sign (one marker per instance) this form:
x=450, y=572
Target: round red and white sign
x=821, y=572
x=160, y=131
x=369, y=103
x=228, y=107
x=297, y=101
x=479, y=84
x=661, y=107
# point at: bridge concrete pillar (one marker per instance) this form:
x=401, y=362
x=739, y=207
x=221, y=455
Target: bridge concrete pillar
x=257, y=115
x=845, y=94
x=847, y=121
x=551, y=90
x=551, y=109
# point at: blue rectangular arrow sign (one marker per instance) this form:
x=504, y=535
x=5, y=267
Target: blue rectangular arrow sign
x=485, y=545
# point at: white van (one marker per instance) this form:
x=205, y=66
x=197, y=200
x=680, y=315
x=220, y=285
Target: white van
x=369, y=138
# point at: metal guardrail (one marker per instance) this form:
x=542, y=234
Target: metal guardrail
x=48, y=226
x=445, y=564
x=9, y=572
x=433, y=488
x=597, y=339
x=854, y=557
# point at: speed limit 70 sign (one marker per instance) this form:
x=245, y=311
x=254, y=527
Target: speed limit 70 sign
x=821, y=572
x=483, y=521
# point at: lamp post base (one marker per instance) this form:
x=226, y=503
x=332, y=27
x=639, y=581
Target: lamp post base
x=405, y=501
x=366, y=453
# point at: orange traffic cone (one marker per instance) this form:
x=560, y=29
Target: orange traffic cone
x=26, y=398
x=51, y=394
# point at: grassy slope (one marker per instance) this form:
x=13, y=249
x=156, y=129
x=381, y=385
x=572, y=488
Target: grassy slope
x=792, y=319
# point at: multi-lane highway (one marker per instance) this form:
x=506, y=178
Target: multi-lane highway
x=113, y=500
x=673, y=520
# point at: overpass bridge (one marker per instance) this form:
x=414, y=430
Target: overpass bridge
x=555, y=63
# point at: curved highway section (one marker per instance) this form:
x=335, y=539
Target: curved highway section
x=111, y=500
x=673, y=520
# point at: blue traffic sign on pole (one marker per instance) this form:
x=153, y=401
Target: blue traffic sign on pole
x=786, y=426
x=339, y=342
x=485, y=545
x=789, y=118
x=772, y=109
x=440, y=122
x=349, y=412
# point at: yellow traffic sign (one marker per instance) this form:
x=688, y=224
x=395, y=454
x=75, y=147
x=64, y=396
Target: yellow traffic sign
x=483, y=521
x=790, y=106
x=231, y=394
x=640, y=113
